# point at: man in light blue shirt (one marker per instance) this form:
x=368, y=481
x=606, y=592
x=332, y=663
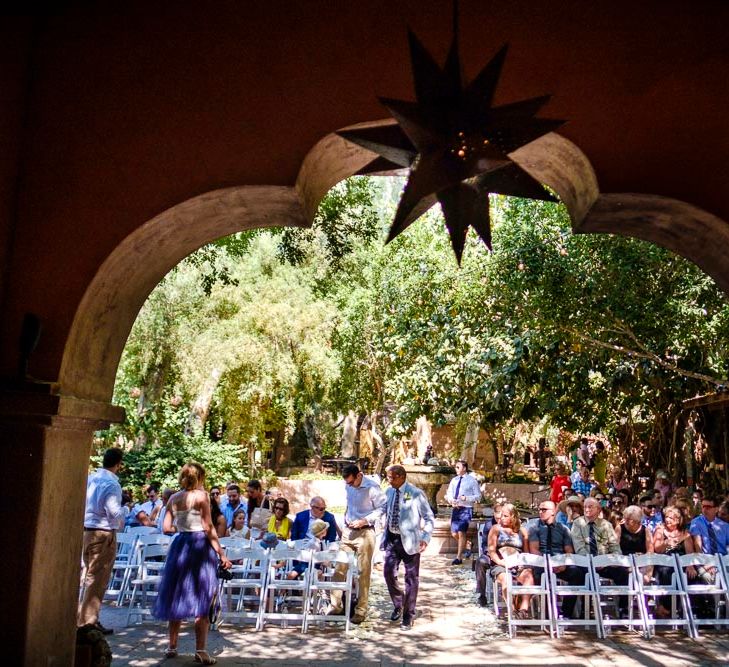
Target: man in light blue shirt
x=103, y=516
x=234, y=503
x=365, y=505
x=463, y=492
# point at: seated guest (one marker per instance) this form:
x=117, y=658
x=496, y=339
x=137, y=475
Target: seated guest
x=279, y=523
x=145, y=513
x=302, y=526
x=671, y=537
x=166, y=495
x=482, y=564
x=651, y=517
x=664, y=486
x=320, y=529
x=583, y=485
x=239, y=529
x=234, y=502
x=506, y=538
x=723, y=512
x=573, y=509
x=216, y=514
x=594, y=536
x=710, y=535
x=548, y=537
x=633, y=536
x=617, y=481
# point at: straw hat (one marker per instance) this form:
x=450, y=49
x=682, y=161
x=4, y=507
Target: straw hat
x=319, y=525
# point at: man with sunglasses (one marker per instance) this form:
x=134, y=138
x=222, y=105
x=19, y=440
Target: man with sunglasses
x=304, y=520
x=365, y=506
x=652, y=518
x=145, y=513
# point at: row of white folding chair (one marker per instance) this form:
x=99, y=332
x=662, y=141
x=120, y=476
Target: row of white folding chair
x=718, y=590
x=145, y=576
x=321, y=583
x=122, y=567
x=539, y=592
x=247, y=586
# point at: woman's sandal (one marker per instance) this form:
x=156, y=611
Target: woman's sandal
x=204, y=658
x=522, y=614
x=171, y=652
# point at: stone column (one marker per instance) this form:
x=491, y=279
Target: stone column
x=45, y=442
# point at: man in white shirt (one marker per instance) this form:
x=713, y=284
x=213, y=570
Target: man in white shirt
x=145, y=514
x=463, y=492
x=365, y=505
x=104, y=515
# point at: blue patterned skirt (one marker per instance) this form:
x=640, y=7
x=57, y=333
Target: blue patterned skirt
x=189, y=578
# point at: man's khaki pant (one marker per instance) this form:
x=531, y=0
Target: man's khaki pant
x=98, y=554
x=362, y=543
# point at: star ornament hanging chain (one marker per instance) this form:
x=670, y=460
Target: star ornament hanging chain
x=455, y=143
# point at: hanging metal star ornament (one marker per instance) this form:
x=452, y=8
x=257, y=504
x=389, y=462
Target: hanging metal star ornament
x=455, y=143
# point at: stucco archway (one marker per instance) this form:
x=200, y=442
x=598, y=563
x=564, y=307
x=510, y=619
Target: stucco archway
x=120, y=287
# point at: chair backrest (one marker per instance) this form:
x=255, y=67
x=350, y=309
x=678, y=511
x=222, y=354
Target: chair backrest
x=707, y=560
x=235, y=542
x=140, y=530
x=331, y=556
x=558, y=560
x=643, y=560
x=525, y=560
x=612, y=560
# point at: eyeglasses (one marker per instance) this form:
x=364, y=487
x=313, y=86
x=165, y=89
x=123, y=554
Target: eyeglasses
x=544, y=509
x=707, y=507
x=318, y=507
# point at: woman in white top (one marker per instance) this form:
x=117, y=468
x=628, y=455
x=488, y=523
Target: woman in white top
x=189, y=578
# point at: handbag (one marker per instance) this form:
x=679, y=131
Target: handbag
x=260, y=518
x=224, y=574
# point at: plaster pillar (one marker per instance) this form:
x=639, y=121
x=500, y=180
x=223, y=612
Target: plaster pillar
x=45, y=442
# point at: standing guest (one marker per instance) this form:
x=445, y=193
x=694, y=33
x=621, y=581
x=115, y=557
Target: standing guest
x=548, y=537
x=599, y=464
x=302, y=526
x=583, y=484
x=365, y=505
x=256, y=498
x=234, y=502
x=577, y=472
x=583, y=453
x=103, y=516
x=617, y=481
x=279, y=523
x=159, y=522
x=559, y=483
x=408, y=528
x=664, y=486
x=652, y=518
x=506, y=538
x=189, y=577
x=696, y=497
x=463, y=492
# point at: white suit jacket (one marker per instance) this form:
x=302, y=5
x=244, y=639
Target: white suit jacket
x=416, y=517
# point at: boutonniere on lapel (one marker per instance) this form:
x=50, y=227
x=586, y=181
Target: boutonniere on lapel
x=407, y=496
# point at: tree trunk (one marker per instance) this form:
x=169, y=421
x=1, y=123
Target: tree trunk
x=201, y=405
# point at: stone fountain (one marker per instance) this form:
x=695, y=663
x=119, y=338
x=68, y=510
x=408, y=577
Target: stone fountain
x=429, y=478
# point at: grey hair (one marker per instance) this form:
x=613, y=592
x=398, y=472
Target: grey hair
x=633, y=512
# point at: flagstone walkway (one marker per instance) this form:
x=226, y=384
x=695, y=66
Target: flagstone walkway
x=450, y=630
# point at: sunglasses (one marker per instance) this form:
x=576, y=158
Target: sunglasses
x=215, y=493
x=278, y=507
x=318, y=507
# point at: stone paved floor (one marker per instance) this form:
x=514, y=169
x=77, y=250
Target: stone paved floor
x=450, y=630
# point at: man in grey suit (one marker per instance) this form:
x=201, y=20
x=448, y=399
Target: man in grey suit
x=408, y=531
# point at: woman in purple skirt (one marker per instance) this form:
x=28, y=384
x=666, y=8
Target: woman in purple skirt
x=189, y=578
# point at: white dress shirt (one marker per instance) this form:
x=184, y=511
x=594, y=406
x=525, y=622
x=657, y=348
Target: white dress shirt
x=364, y=502
x=104, y=510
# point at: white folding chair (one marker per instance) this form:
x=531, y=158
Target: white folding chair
x=141, y=530
x=539, y=592
x=123, y=567
x=697, y=587
x=236, y=542
x=146, y=583
x=586, y=591
x=674, y=589
x=609, y=591
x=242, y=596
x=283, y=595
x=321, y=583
